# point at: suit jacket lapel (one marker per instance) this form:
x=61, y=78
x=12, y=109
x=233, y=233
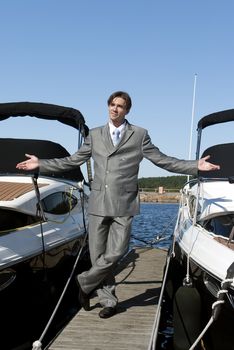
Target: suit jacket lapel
x=126, y=135
x=107, y=139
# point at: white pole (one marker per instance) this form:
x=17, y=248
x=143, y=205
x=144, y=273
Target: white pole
x=192, y=119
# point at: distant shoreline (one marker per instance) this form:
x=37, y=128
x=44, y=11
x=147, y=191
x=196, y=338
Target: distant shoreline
x=153, y=197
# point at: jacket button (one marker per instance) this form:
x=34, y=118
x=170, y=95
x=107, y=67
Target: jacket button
x=106, y=186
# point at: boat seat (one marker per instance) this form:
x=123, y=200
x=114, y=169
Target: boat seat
x=12, y=151
x=221, y=155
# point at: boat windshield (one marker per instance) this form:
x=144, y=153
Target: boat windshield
x=12, y=220
x=220, y=225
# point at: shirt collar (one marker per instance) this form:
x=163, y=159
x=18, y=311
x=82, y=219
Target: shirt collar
x=120, y=128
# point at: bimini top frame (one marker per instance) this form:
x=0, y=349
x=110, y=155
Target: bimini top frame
x=65, y=115
x=16, y=148
x=220, y=154
x=212, y=119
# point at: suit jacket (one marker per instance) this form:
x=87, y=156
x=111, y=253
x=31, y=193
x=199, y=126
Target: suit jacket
x=114, y=190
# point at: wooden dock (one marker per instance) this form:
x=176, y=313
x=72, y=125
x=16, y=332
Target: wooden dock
x=139, y=279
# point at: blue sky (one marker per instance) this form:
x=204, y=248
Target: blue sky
x=76, y=53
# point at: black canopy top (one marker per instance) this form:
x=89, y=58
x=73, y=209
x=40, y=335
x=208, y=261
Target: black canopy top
x=216, y=118
x=219, y=154
x=65, y=115
x=13, y=151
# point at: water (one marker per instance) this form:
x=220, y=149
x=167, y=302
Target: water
x=156, y=221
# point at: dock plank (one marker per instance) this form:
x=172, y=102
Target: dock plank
x=139, y=279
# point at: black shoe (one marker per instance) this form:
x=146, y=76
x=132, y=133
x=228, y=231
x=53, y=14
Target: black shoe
x=83, y=297
x=107, y=312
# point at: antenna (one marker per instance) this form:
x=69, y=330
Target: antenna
x=192, y=119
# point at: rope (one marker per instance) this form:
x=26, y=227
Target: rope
x=202, y=333
x=227, y=280
x=41, y=216
x=215, y=310
x=38, y=343
x=153, y=337
x=158, y=238
x=154, y=333
x=188, y=278
x=180, y=212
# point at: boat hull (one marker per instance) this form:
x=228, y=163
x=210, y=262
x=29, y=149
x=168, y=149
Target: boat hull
x=37, y=252
x=219, y=335
x=43, y=223
x=30, y=292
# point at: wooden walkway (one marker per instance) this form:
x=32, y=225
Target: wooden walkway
x=138, y=288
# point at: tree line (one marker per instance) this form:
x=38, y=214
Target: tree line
x=170, y=182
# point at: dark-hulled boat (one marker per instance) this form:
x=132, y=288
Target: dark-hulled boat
x=204, y=251
x=43, y=220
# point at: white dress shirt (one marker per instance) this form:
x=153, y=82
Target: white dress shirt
x=113, y=129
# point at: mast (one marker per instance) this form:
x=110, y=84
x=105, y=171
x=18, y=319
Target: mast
x=192, y=119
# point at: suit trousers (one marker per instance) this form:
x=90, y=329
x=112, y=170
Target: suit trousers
x=108, y=242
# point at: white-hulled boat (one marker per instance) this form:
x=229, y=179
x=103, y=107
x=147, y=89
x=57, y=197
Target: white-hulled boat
x=43, y=220
x=204, y=251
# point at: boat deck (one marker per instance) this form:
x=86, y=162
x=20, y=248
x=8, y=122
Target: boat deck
x=139, y=280
x=12, y=190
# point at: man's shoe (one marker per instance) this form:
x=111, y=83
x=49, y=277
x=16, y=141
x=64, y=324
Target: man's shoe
x=83, y=297
x=107, y=312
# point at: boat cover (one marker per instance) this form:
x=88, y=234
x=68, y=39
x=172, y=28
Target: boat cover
x=65, y=115
x=215, y=199
x=216, y=118
x=12, y=151
x=221, y=155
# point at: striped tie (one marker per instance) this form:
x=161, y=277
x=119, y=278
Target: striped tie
x=116, y=137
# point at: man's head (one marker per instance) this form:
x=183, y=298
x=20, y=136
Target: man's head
x=119, y=104
x=124, y=95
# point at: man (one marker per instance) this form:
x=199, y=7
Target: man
x=117, y=150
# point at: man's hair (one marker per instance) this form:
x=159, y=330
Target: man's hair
x=123, y=95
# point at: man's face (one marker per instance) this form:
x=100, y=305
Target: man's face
x=117, y=111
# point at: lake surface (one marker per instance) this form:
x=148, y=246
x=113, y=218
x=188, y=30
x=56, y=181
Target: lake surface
x=155, y=224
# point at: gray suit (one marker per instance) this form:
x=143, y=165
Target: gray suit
x=114, y=196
